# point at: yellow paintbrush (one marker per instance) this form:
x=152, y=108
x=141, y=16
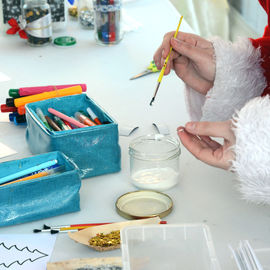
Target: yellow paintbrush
x=165, y=63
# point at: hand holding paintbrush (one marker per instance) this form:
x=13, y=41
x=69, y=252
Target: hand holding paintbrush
x=165, y=64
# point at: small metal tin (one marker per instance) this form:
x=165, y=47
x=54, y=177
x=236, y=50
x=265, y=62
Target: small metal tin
x=144, y=204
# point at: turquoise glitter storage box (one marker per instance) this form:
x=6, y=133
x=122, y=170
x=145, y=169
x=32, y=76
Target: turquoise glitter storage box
x=95, y=149
x=42, y=197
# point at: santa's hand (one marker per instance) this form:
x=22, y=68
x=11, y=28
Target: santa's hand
x=196, y=137
x=192, y=59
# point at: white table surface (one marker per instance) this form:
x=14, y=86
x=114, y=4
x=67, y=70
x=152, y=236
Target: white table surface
x=204, y=194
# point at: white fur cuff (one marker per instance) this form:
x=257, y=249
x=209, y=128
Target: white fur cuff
x=252, y=150
x=239, y=78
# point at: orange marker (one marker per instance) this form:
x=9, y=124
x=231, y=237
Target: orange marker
x=47, y=95
x=83, y=119
x=21, y=110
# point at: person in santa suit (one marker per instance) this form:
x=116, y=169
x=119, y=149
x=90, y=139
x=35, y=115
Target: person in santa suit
x=227, y=96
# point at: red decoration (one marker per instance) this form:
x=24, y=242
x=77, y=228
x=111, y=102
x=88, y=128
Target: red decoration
x=264, y=44
x=15, y=27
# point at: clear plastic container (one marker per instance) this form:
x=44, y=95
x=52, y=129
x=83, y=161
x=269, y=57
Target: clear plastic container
x=172, y=247
x=107, y=15
x=37, y=14
x=154, y=162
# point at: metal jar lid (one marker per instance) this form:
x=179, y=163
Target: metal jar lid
x=144, y=204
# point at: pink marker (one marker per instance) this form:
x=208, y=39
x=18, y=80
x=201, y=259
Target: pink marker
x=26, y=91
x=67, y=118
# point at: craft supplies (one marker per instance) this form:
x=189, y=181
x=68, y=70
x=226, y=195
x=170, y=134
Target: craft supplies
x=93, y=116
x=17, y=114
x=83, y=119
x=41, y=197
x=74, y=225
x=95, y=149
x=37, y=14
x=42, y=173
x=52, y=124
x=83, y=236
x=144, y=204
x=86, y=14
x=107, y=21
x=152, y=68
x=60, y=123
x=26, y=171
x=42, y=117
x=5, y=108
x=67, y=118
x=32, y=90
x=165, y=64
x=110, y=240
x=47, y=95
x=174, y=247
x=154, y=161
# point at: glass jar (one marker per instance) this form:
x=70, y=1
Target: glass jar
x=37, y=15
x=107, y=21
x=154, y=162
x=86, y=13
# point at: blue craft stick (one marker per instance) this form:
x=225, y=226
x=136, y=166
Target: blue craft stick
x=27, y=171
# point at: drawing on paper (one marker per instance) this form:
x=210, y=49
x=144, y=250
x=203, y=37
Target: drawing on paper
x=20, y=256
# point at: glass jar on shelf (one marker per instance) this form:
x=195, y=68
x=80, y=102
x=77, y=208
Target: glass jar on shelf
x=37, y=17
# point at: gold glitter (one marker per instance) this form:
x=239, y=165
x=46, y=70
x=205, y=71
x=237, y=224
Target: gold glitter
x=106, y=240
x=73, y=11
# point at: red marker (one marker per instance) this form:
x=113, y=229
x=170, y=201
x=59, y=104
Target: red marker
x=5, y=108
x=93, y=116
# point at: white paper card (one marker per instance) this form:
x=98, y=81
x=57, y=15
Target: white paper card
x=25, y=251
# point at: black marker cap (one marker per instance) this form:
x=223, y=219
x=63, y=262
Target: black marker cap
x=20, y=119
x=10, y=102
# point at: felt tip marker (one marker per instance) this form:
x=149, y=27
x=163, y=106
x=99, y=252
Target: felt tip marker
x=32, y=90
x=27, y=171
x=60, y=123
x=19, y=119
x=93, y=116
x=10, y=102
x=43, y=119
x=21, y=110
x=52, y=124
x=67, y=124
x=5, y=108
x=47, y=95
x=14, y=93
x=84, y=119
x=67, y=118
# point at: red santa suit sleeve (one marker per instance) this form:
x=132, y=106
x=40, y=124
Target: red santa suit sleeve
x=240, y=92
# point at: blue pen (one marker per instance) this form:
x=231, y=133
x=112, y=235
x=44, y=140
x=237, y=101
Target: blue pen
x=27, y=171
